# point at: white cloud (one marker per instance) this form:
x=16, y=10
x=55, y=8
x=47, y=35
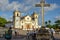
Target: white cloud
x=24, y=6
x=14, y=5
x=57, y=17
x=31, y=2
x=5, y=5
x=52, y=7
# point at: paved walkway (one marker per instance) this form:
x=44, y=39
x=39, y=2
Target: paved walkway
x=22, y=39
x=16, y=38
x=56, y=37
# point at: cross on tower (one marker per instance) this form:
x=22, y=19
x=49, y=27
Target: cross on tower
x=42, y=5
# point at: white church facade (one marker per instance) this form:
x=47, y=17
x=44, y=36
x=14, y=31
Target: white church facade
x=26, y=22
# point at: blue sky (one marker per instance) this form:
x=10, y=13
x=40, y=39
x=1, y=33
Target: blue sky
x=28, y=7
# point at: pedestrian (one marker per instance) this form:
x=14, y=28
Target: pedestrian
x=51, y=33
x=34, y=36
x=8, y=34
x=15, y=33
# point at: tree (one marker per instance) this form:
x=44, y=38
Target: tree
x=48, y=24
x=3, y=21
x=49, y=21
x=57, y=23
x=9, y=21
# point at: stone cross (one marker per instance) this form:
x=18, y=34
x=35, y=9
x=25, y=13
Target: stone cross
x=42, y=5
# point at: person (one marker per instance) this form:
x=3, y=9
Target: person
x=8, y=34
x=52, y=33
x=15, y=33
x=34, y=36
x=27, y=35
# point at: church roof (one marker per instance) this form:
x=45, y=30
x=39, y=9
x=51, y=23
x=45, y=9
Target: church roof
x=23, y=17
x=26, y=16
x=32, y=16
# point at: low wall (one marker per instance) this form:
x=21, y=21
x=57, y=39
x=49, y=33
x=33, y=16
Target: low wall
x=56, y=35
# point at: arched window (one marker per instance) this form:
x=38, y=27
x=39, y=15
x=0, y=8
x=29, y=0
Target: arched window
x=17, y=14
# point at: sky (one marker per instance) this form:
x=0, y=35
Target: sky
x=27, y=7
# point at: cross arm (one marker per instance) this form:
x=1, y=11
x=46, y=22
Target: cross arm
x=45, y=5
x=38, y=5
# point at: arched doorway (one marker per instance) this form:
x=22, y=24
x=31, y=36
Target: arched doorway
x=28, y=26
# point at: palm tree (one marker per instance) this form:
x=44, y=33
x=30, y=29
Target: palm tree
x=49, y=21
x=49, y=24
x=46, y=22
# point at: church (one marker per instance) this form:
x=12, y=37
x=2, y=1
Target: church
x=26, y=22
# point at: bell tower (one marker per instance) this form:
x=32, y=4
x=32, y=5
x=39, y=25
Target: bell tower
x=35, y=15
x=16, y=19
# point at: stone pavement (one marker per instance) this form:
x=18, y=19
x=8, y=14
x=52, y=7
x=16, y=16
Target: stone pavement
x=16, y=38
x=56, y=37
x=22, y=38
